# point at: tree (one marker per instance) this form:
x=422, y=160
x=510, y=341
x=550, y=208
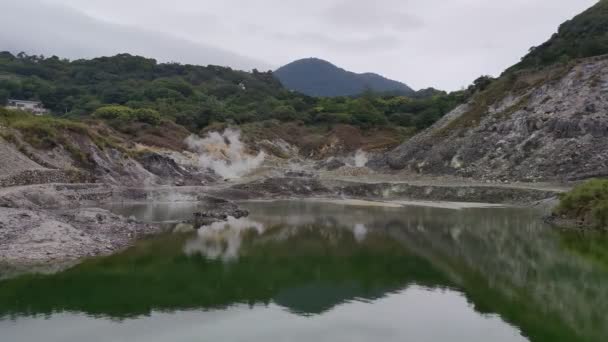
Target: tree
x=402, y=119
x=365, y=114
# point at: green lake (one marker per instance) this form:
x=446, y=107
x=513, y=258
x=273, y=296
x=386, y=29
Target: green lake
x=311, y=271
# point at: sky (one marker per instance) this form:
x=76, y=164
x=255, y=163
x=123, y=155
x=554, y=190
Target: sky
x=445, y=44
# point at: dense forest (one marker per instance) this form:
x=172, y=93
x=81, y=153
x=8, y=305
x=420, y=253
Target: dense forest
x=125, y=87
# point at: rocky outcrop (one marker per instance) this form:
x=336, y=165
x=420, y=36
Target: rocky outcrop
x=214, y=209
x=170, y=172
x=550, y=124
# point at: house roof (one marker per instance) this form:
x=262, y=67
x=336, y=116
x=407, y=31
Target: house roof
x=24, y=101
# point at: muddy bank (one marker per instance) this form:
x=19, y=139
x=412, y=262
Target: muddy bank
x=33, y=237
x=49, y=226
x=58, y=223
x=313, y=187
x=460, y=193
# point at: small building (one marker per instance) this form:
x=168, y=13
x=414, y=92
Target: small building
x=34, y=107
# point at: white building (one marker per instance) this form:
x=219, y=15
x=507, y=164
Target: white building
x=35, y=107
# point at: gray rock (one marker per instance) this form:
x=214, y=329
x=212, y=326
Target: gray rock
x=559, y=134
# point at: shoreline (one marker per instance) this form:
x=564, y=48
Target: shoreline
x=44, y=225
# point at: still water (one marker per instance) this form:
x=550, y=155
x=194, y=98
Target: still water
x=305, y=271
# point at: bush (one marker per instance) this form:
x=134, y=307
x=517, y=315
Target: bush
x=43, y=132
x=125, y=114
x=586, y=201
x=367, y=119
x=115, y=113
x=149, y=116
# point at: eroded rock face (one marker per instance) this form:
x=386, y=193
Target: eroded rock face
x=86, y=161
x=557, y=130
x=170, y=172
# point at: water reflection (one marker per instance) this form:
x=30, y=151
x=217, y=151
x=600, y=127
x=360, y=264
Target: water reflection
x=222, y=240
x=315, y=259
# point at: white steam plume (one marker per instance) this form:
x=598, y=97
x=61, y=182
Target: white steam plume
x=361, y=158
x=224, y=153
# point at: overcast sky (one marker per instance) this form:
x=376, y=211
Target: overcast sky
x=440, y=43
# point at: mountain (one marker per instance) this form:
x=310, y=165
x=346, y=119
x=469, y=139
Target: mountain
x=544, y=119
x=54, y=34
x=316, y=77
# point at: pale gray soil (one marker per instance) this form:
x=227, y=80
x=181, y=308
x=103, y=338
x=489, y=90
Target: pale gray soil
x=13, y=161
x=30, y=237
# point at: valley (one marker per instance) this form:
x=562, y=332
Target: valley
x=135, y=192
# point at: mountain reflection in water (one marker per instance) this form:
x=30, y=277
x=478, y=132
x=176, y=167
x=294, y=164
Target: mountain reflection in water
x=315, y=259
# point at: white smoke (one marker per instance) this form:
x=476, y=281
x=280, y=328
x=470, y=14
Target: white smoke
x=225, y=154
x=361, y=158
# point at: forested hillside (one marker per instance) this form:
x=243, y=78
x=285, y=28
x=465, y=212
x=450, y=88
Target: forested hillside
x=127, y=88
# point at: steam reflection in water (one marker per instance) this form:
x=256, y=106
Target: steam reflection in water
x=222, y=240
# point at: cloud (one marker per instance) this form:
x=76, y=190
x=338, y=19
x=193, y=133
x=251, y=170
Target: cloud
x=440, y=43
x=62, y=31
x=366, y=15
x=352, y=43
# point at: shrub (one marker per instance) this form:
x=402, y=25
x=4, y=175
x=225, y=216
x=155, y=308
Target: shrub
x=123, y=114
x=115, y=113
x=586, y=201
x=149, y=116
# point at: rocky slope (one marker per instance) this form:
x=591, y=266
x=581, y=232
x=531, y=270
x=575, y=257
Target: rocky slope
x=548, y=124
